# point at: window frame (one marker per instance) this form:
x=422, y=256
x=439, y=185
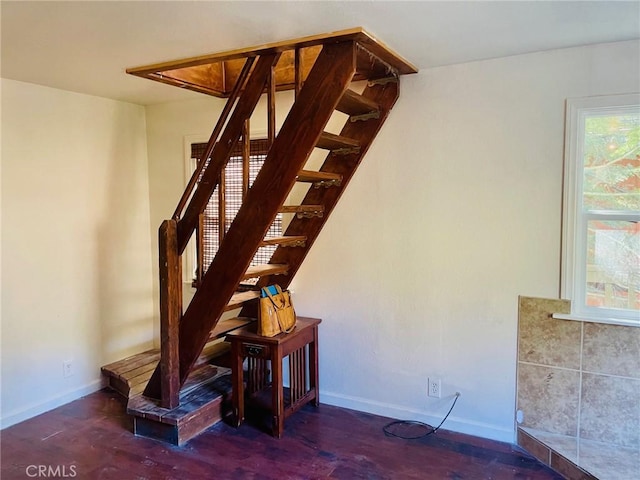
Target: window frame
x=574, y=220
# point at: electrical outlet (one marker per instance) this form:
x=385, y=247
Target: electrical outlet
x=433, y=388
x=67, y=368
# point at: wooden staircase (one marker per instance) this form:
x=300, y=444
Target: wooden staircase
x=322, y=71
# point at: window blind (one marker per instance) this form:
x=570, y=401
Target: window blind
x=233, y=188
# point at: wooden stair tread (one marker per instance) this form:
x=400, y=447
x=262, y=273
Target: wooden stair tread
x=301, y=208
x=353, y=103
x=134, y=361
x=311, y=176
x=266, y=269
x=238, y=299
x=330, y=141
x=284, y=240
x=225, y=326
x=130, y=376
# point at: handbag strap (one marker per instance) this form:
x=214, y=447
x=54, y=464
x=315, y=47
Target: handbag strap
x=273, y=300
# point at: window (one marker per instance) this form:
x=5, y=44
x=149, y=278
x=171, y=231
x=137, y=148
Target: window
x=233, y=196
x=601, y=212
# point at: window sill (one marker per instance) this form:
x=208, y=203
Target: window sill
x=586, y=318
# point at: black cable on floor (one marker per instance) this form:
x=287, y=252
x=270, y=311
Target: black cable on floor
x=430, y=429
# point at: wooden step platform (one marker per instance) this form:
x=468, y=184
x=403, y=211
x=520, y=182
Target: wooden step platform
x=129, y=376
x=205, y=399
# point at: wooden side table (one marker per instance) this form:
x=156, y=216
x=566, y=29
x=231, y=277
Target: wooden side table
x=301, y=346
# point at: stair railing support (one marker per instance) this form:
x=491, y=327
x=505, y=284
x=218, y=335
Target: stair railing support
x=246, y=156
x=237, y=89
x=221, y=150
x=271, y=106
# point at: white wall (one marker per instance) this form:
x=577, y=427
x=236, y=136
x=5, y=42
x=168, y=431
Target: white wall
x=76, y=249
x=454, y=213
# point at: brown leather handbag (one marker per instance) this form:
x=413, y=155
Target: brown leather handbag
x=276, y=312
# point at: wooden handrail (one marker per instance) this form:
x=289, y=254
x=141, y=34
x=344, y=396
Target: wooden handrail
x=246, y=154
x=222, y=205
x=221, y=150
x=297, y=74
x=271, y=107
x=214, y=137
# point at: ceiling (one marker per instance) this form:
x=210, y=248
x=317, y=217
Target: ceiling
x=86, y=46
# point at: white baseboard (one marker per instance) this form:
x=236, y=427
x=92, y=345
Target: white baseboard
x=35, y=409
x=453, y=423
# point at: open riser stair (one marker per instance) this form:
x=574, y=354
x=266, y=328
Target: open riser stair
x=321, y=71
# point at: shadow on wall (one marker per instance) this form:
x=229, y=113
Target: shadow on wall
x=125, y=276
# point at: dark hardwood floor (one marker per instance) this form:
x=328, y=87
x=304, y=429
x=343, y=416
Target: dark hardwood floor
x=91, y=439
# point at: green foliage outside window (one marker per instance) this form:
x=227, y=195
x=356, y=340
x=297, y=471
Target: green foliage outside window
x=611, y=183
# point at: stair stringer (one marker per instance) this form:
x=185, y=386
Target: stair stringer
x=365, y=132
x=323, y=88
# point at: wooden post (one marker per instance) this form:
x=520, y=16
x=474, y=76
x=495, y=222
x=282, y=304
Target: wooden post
x=214, y=137
x=297, y=73
x=246, y=156
x=170, y=313
x=222, y=205
x=200, y=250
x=271, y=107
